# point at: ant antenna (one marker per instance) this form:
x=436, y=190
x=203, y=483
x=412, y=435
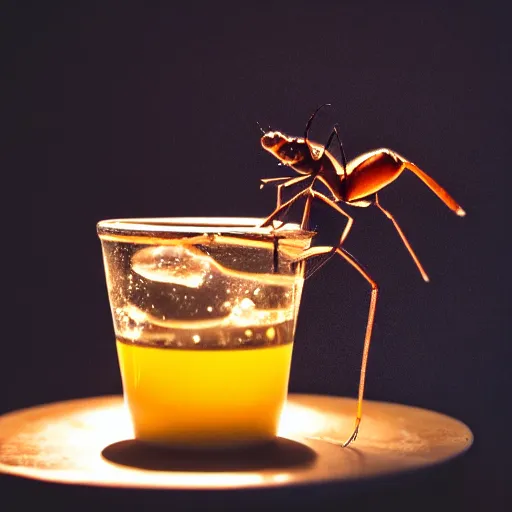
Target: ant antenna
x=261, y=129
x=310, y=120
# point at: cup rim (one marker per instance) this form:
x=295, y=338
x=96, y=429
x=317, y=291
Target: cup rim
x=165, y=226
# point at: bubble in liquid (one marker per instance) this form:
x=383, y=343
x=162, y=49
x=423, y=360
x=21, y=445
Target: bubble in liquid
x=131, y=321
x=172, y=264
x=243, y=308
x=271, y=333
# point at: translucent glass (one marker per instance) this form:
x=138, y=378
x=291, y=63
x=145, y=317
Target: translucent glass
x=204, y=314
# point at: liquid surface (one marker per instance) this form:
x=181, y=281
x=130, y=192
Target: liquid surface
x=204, y=398
x=203, y=296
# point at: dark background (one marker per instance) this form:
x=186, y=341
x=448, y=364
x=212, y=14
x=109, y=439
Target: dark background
x=115, y=109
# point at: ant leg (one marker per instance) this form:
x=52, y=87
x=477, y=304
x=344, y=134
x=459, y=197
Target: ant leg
x=314, y=251
x=312, y=151
x=343, y=157
x=279, y=195
x=404, y=239
x=318, y=155
x=434, y=186
x=265, y=181
x=307, y=211
x=291, y=181
x=335, y=133
x=275, y=258
x=332, y=204
x=284, y=206
x=348, y=227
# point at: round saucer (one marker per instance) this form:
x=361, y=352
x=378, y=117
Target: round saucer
x=90, y=442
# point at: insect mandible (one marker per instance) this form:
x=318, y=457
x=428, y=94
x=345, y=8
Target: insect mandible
x=356, y=183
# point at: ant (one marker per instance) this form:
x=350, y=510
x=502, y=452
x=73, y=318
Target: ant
x=356, y=183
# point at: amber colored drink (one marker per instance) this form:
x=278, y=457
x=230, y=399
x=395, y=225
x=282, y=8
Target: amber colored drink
x=205, y=398
x=204, y=314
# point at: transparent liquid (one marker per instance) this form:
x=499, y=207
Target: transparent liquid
x=202, y=296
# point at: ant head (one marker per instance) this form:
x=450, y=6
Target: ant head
x=271, y=141
x=288, y=150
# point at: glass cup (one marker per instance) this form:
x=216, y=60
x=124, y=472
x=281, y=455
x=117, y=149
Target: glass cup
x=204, y=313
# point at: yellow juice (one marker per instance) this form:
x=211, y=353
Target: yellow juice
x=205, y=398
